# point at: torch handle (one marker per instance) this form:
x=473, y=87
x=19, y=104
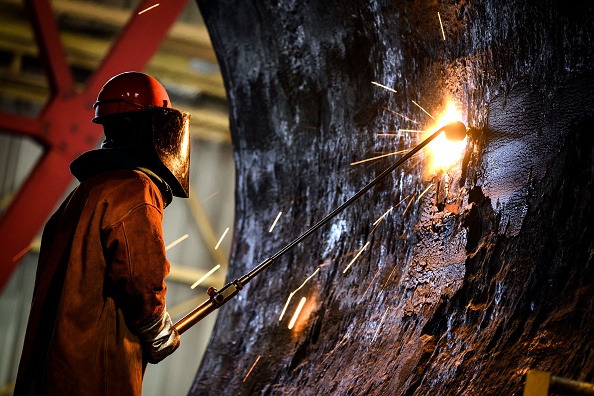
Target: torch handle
x=216, y=300
x=195, y=316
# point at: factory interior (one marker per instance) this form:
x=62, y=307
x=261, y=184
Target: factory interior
x=386, y=197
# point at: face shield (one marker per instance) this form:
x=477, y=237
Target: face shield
x=171, y=142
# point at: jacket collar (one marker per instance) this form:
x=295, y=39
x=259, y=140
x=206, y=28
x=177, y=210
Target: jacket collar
x=94, y=162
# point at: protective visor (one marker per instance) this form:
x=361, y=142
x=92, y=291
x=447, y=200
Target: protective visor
x=171, y=141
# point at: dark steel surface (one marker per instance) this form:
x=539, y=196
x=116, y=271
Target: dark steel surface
x=458, y=293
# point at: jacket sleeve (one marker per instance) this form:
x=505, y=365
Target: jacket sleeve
x=137, y=272
x=137, y=265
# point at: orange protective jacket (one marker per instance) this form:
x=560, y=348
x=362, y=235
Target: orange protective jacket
x=80, y=338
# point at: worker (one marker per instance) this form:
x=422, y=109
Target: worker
x=98, y=313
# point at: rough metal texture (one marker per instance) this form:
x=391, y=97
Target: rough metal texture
x=487, y=275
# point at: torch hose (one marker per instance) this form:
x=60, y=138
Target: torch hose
x=220, y=297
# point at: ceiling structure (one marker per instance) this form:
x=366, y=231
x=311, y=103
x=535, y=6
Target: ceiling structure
x=184, y=63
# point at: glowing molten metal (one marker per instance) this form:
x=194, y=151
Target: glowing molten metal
x=446, y=149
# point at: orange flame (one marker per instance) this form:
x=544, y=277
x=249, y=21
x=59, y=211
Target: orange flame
x=442, y=152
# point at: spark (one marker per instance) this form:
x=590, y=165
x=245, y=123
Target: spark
x=384, y=215
x=402, y=200
x=210, y=196
x=373, y=229
x=401, y=115
x=297, y=312
x=341, y=343
x=409, y=202
x=305, y=281
x=285, y=307
x=149, y=8
x=251, y=368
x=389, y=277
x=388, y=134
x=22, y=252
x=370, y=283
x=355, y=258
x=376, y=223
x=426, y=112
x=441, y=24
x=178, y=240
x=294, y=292
x=275, y=220
x=400, y=132
x=383, y=86
x=380, y=324
x=378, y=157
x=424, y=191
x=221, y=240
x=411, y=130
x=209, y=273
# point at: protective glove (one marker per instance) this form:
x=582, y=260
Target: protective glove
x=158, y=338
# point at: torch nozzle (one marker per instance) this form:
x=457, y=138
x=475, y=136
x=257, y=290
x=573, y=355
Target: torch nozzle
x=455, y=130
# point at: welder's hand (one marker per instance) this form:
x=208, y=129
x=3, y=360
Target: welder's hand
x=159, y=338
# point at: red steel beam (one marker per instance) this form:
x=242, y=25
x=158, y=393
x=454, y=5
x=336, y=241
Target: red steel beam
x=64, y=127
x=24, y=126
x=50, y=47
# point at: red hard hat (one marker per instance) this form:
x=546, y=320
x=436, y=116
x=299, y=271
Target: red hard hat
x=130, y=92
